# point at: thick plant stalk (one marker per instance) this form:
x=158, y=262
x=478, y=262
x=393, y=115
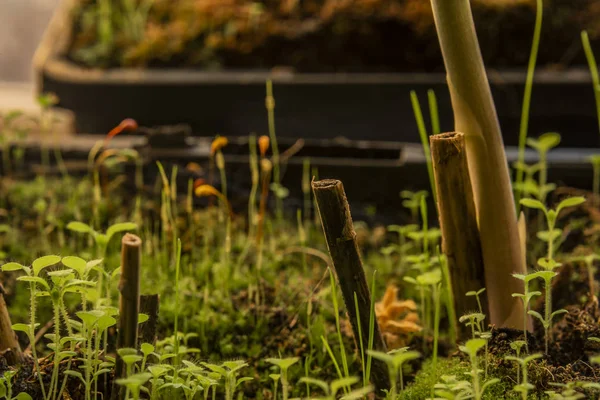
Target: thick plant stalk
x=458, y=220
x=129, y=304
x=475, y=116
x=9, y=345
x=341, y=241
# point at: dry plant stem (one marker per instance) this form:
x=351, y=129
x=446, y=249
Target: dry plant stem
x=458, y=220
x=475, y=116
x=129, y=305
x=149, y=305
x=341, y=242
x=9, y=345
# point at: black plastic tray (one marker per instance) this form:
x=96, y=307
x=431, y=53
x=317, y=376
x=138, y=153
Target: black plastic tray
x=355, y=106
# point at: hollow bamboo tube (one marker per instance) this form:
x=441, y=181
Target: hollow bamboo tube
x=9, y=345
x=458, y=221
x=341, y=241
x=129, y=301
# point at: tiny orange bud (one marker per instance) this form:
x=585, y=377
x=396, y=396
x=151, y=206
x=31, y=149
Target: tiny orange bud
x=199, y=182
x=263, y=144
x=206, y=190
x=266, y=165
x=218, y=144
x=194, y=167
x=127, y=125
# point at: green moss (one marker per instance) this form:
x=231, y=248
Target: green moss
x=427, y=377
x=421, y=387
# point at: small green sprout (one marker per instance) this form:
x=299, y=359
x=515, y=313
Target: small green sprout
x=473, y=320
x=394, y=360
x=524, y=387
x=471, y=348
x=548, y=264
x=526, y=299
x=6, y=388
x=134, y=383
x=331, y=389
x=228, y=371
x=102, y=240
x=284, y=364
x=568, y=391
x=516, y=346
x=452, y=389
x=543, y=145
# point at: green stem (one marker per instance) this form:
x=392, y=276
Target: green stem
x=270, y=105
x=424, y=140
x=32, y=312
x=593, y=71
x=527, y=95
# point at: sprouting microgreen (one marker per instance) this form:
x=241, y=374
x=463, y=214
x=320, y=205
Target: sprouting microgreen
x=524, y=387
x=471, y=348
x=284, y=364
x=394, y=360
x=331, y=389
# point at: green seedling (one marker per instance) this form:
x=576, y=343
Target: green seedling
x=134, y=383
x=32, y=277
x=283, y=364
x=476, y=294
x=6, y=390
x=524, y=387
x=276, y=186
x=452, y=389
x=524, y=125
x=424, y=136
x=102, y=241
x=543, y=145
x=331, y=389
x=229, y=372
x=402, y=247
x=473, y=321
x=517, y=345
x=94, y=324
x=394, y=360
x=528, y=186
x=275, y=378
x=568, y=391
x=471, y=348
x=412, y=201
x=526, y=299
x=589, y=261
x=548, y=264
x=589, y=54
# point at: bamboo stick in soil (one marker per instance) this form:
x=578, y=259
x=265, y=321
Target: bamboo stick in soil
x=458, y=221
x=129, y=303
x=341, y=241
x=9, y=345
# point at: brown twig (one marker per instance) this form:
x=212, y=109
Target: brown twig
x=458, y=220
x=341, y=241
x=9, y=345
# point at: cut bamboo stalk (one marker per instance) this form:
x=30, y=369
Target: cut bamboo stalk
x=129, y=303
x=458, y=221
x=341, y=241
x=475, y=116
x=9, y=344
x=149, y=305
